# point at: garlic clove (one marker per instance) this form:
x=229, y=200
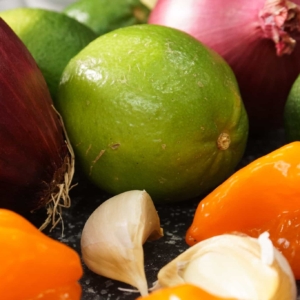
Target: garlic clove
x=113, y=237
x=233, y=266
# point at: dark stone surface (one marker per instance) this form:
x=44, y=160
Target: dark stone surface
x=175, y=219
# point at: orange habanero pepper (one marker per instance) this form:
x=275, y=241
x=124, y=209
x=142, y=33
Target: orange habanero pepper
x=262, y=196
x=184, y=291
x=34, y=266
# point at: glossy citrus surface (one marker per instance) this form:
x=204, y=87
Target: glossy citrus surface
x=263, y=196
x=105, y=15
x=292, y=113
x=51, y=37
x=34, y=263
x=149, y=107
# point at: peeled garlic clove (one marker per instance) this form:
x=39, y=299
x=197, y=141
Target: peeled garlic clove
x=233, y=266
x=113, y=237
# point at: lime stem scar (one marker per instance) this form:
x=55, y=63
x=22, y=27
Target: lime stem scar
x=223, y=141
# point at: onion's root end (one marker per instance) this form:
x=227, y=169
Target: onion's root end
x=59, y=197
x=58, y=200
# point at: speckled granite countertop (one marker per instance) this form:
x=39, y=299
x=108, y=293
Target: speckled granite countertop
x=175, y=219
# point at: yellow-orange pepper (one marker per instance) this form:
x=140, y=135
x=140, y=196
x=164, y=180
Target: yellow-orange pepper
x=263, y=196
x=34, y=266
x=181, y=292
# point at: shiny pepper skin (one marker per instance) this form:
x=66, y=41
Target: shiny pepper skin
x=263, y=196
x=181, y=292
x=32, y=265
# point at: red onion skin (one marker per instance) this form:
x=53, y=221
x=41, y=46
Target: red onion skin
x=233, y=29
x=33, y=148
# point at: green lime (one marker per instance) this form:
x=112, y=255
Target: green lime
x=149, y=3
x=292, y=113
x=149, y=107
x=51, y=37
x=106, y=15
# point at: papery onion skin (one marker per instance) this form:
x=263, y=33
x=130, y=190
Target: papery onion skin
x=34, y=155
x=240, y=32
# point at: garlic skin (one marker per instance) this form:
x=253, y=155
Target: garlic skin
x=233, y=266
x=113, y=236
